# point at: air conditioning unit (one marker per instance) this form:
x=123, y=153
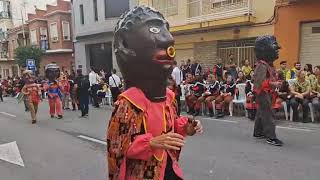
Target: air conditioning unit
x=54, y=39
x=66, y=38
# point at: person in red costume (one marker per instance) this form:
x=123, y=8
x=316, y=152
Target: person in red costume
x=145, y=135
x=265, y=82
x=32, y=92
x=65, y=90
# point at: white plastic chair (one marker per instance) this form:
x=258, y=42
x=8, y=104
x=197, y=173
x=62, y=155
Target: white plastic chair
x=108, y=97
x=241, y=97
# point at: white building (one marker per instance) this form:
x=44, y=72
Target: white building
x=94, y=22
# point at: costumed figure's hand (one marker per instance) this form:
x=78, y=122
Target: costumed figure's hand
x=193, y=127
x=170, y=141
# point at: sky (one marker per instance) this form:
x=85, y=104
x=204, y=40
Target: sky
x=17, y=7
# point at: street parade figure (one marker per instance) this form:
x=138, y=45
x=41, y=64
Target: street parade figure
x=65, y=90
x=53, y=89
x=265, y=83
x=145, y=135
x=32, y=92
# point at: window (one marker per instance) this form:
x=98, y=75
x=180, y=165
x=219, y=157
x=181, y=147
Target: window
x=66, y=30
x=95, y=10
x=33, y=37
x=81, y=14
x=166, y=7
x=43, y=33
x=114, y=8
x=315, y=30
x=221, y=3
x=54, y=32
x=194, y=8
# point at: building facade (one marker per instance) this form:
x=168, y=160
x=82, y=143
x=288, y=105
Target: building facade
x=21, y=8
x=16, y=37
x=94, y=23
x=5, y=25
x=51, y=31
x=302, y=19
x=206, y=30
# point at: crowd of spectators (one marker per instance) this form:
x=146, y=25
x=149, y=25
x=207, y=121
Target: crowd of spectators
x=77, y=90
x=214, y=88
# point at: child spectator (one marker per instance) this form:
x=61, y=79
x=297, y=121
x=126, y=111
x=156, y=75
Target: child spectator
x=241, y=78
x=227, y=94
x=246, y=68
x=197, y=90
x=211, y=93
x=251, y=105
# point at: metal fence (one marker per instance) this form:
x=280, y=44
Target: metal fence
x=240, y=54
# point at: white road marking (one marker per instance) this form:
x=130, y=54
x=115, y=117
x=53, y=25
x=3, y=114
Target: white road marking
x=221, y=120
x=296, y=129
x=9, y=152
x=92, y=139
x=8, y=114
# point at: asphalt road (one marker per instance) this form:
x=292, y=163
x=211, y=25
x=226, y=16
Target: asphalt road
x=74, y=148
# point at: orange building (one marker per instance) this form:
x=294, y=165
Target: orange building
x=297, y=29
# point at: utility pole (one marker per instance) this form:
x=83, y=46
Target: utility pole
x=22, y=18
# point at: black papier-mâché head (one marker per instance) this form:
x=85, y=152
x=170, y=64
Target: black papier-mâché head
x=52, y=72
x=267, y=48
x=144, y=48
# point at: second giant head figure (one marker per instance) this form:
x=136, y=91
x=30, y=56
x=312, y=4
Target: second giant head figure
x=267, y=49
x=52, y=72
x=145, y=52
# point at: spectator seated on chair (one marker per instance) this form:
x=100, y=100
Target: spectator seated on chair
x=211, y=93
x=282, y=93
x=300, y=91
x=315, y=92
x=197, y=90
x=227, y=92
x=241, y=78
x=251, y=105
x=104, y=89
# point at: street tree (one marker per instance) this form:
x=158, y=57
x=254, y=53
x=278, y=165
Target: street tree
x=23, y=53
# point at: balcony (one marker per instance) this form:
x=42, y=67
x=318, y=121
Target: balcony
x=211, y=10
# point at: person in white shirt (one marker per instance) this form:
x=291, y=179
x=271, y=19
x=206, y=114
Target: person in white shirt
x=177, y=75
x=93, y=78
x=114, y=83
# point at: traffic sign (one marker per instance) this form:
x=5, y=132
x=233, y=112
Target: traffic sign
x=31, y=64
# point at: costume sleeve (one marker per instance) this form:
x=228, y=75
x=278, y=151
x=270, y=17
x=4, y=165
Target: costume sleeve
x=123, y=138
x=140, y=147
x=260, y=75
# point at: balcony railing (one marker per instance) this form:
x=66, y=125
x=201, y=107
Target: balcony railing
x=205, y=10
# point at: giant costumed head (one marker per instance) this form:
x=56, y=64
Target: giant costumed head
x=267, y=48
x=145, y=52
x=28, y=77
x=52, y=72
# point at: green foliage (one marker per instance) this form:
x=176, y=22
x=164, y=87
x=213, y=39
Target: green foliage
x=24, y=53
